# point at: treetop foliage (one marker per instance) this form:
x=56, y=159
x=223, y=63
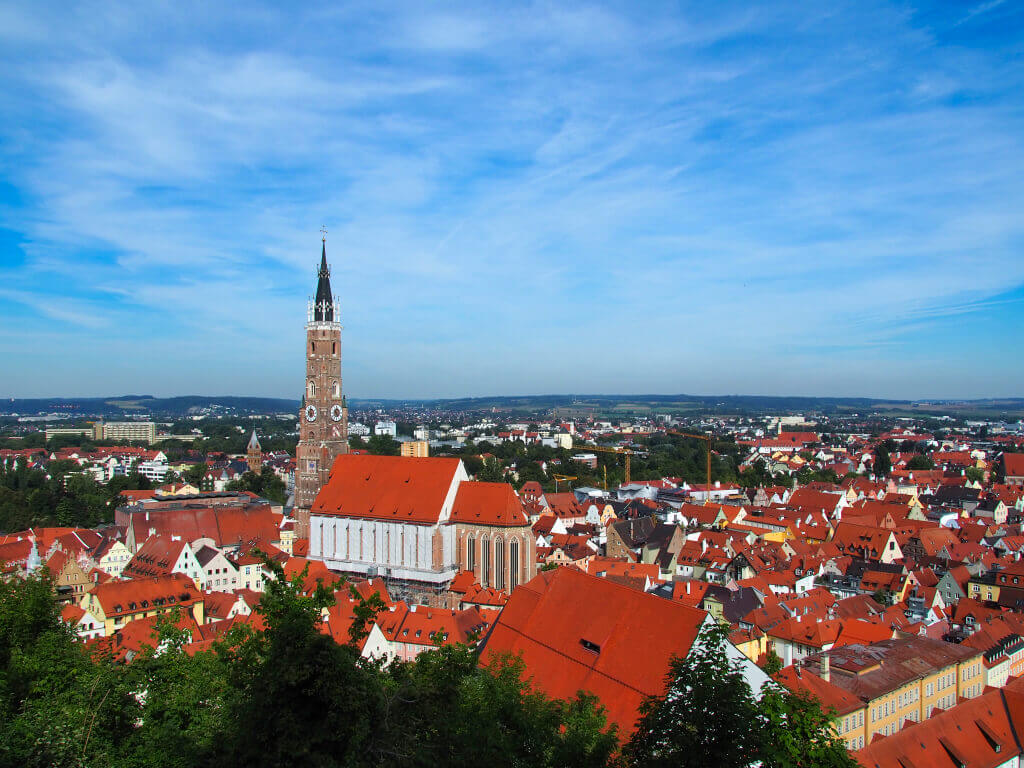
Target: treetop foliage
x=291, y=695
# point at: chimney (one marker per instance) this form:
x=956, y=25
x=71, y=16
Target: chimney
x=823, y=669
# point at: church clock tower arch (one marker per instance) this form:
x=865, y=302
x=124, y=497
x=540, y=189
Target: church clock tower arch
x=323, y=420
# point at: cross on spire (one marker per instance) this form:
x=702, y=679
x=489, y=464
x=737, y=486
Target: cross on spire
x=323, y=231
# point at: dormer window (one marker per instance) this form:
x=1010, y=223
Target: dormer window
x=589, y=646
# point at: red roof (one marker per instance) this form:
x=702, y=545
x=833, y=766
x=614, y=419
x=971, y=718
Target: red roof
x=580, y=632
x=1013, y=463
x=156, y=557
x=411, y=490
x=227, y=526
x=828, y=695
x=119, y=598
x=976, y=733
x=488, y=504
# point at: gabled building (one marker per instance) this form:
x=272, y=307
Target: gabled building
x=116, y=603
x=867, y=543
x=416, y=522
x=577, y=632
x=163, y=556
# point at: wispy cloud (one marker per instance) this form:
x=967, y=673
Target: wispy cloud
x=554, y=197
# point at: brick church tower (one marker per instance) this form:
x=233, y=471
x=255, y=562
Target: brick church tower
x=254, y=454
x=323, y=421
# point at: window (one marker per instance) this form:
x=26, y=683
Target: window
x=499, y=564
x=311, y=389
x=485, y=558
x=513, y=564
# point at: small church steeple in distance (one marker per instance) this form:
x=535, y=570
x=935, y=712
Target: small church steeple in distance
x=254, y=454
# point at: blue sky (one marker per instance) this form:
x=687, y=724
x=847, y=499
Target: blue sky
x=759, y=198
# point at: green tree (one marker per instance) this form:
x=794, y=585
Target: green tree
x=883, y=464
x=772, y=663
x=709, y=716
x=265, y=484
x=491, y=471
x=795, y=733
x=705, y=714
x=182, y=722
x=296, y=696
x=455, y=713
x=58, y=705
x=919, y=461
x=195, y=473
x=384, y=445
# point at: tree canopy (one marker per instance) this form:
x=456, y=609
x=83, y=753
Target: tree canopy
x=292, y=695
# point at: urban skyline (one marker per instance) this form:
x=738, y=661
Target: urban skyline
x=764, y=201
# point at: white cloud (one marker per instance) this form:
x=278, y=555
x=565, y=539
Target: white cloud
x=745, y=186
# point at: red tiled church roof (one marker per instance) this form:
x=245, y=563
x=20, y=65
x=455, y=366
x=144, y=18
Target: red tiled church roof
x=488, y=504
x=387, y=488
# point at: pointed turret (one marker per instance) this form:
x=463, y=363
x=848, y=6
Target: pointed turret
x=254, y=454
x=323, y=308
x=34, y=561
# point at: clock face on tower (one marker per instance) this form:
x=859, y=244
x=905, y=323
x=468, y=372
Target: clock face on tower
x=310, y=413
x=335, y=412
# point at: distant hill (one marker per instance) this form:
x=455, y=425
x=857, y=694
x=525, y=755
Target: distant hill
x=567, y=405
x=127, y=405
x=625, y=405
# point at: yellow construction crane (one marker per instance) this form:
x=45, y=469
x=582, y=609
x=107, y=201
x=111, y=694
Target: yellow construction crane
x=608, y=449
x=563, y=478
x=707, y=439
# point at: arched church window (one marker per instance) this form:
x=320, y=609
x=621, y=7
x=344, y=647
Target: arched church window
x=513, y=564
x=335, y=390
x=499, y=563
x=485, y=562
x=311, y=389
x=471, y=553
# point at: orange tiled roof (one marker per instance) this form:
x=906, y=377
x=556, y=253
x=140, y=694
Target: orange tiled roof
x=488, y=504
x=579, y=632
x=123, y=598
x=405, y=489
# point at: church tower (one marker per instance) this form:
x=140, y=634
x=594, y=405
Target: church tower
x=323, y=421
x=254, y=454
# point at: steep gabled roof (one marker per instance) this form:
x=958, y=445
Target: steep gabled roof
x=977, y=733
x=156, y=557
x=1013, y=463
x=488, y=504
x=580, y=632
x=398, y=488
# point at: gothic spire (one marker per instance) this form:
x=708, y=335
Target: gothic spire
x=323, y=309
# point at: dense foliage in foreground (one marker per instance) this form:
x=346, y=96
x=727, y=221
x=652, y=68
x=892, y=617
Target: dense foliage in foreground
x=290, y=695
